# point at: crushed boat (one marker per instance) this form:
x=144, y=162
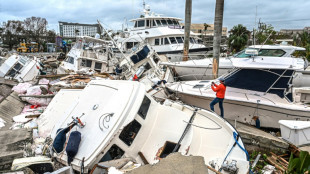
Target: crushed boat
x=259, y=92
x=88, y=53
x=20, y=68
x=119, y=120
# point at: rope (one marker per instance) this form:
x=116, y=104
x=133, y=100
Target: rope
x=236, y=137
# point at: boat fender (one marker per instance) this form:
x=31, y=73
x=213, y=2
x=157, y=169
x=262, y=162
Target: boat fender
x=60, y=139
x=257, y=123
x=73, y=145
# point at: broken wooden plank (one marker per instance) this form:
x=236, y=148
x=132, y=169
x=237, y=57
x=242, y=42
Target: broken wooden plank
x=38, y=96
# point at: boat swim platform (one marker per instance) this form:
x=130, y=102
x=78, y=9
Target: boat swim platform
x=256, y=139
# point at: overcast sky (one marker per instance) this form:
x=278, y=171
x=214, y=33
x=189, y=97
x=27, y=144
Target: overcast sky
x=281, y=14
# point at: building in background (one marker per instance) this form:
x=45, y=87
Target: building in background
x=206, y=32
x=294, y=31
x=69, y=30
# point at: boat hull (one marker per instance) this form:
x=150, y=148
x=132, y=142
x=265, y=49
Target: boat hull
x=244, y=111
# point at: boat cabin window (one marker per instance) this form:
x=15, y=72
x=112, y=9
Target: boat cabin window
x=70, y=60
x=130, y=44
x=148, y=23
x=164, y=22
x=144, y=107
x=113, y=153
x=156, y=41
x=141, y=23
x=168, y=148
x=15, y=69
x=179, y=39
x=86, y=63
x=263, y=52
x=192, y=40
x=166, y=41
x=98, y=66
x=170, y=22
x=136, y=24
x=154, y=23
x=173, y=40
x=158, y=23
x=130, y=132
x=175, y=22
x=162, y=41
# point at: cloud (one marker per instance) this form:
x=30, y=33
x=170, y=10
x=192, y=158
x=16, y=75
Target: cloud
x=113, y=13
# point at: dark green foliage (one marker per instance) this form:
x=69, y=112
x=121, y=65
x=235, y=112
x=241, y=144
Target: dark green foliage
x=238, y=38
x=300, y=164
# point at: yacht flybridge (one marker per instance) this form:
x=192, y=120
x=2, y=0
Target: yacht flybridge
x=202, y=69
x=257, y=89
x=164, y=34
x=120, y=121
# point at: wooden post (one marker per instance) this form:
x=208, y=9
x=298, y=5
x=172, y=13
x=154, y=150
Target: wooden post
x=187, y=29
x=218, y=23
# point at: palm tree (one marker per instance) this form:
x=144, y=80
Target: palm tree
x=303, y=40
x=188, y=16
x=218, y=24
x=238, y=38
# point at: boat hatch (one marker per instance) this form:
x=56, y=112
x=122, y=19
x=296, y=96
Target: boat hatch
x=204, y=81
x=130, y=132
x=142, y=54
x=199, y=86
x=113, y=153
x=168, y=148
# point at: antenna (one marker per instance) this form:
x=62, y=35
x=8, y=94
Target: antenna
x=254, y=27
x=143, y=4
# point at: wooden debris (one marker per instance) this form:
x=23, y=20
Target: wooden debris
x=212, y=169
x=38, y=96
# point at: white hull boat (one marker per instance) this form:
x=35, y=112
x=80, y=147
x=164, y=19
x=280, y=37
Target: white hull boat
x=20, y=68
x=164, y=34
x=252, y=93
x=121, y=121
x=202, y=69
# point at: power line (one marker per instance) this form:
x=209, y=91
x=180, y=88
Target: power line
x=290, y=20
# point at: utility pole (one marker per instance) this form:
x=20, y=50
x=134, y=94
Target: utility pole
x=187, y=29
x=218, y=25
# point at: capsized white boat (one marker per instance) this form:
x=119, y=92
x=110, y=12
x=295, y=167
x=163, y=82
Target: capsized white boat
x=259, y=92
x=122, y=121
x=21, y=68
x=202, y=69
x=89, y=53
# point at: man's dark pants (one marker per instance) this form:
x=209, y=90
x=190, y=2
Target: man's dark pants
x=220, y=101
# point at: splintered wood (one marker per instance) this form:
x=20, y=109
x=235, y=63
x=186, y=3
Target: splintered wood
x=277, y=161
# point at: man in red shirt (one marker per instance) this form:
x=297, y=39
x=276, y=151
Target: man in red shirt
x=220, y=94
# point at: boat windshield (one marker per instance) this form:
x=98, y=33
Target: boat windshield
x=262, y=52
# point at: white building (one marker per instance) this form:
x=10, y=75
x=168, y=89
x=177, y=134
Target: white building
x=71, y=30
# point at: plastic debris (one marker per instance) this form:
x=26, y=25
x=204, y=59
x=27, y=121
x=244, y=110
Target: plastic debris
x=113, y=170
x=21, y=88
x=43, y=81
x=268, y=169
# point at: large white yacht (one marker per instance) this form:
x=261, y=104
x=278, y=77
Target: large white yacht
x=164, y=34
x=257, y=89
x=119, y=120
x=202, y=69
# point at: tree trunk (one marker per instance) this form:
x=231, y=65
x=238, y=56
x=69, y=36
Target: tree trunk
x=218, y=23
x=188, y=16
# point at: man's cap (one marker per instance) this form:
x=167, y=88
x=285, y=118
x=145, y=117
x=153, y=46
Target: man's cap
x=221, y=79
